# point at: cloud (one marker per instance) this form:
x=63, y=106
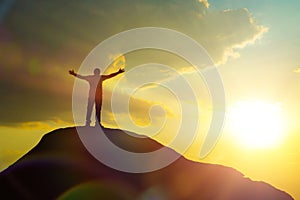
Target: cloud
x=139, y=109
x=205, y=2
x=19, y=103
x=41, y=40
x=229, y=30
x=82, y=25
x=46, y=125
x=297, y=70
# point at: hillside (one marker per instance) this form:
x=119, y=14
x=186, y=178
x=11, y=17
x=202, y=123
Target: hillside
x=60, y=167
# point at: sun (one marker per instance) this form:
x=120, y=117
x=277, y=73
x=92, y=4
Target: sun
x=256, y=124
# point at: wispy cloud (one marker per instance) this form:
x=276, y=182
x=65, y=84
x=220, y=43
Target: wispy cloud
x=38, y=125
x=205, y=3
x=297, y=70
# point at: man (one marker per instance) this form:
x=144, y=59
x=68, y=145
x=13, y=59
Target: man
x=95, y=93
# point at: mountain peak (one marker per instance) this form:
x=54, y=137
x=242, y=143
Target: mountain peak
x=60, y=167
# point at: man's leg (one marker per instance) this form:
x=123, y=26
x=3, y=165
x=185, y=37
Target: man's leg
x=98, y=103
x=89, y=111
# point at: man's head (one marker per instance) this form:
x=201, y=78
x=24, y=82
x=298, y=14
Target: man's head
x=96, y=71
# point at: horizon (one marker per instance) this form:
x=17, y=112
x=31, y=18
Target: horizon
x=252, y=44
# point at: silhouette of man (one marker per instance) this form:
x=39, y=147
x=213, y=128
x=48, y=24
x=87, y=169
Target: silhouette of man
x=95, y=93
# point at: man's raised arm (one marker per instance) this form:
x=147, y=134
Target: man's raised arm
x=113, y=74
x=73, y=73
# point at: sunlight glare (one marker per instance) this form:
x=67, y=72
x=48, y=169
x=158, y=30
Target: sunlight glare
x=256, y=124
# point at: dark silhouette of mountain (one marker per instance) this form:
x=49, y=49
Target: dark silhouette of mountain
x=60, y=167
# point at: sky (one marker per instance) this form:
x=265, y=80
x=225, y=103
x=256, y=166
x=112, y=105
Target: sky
x=254, y=44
